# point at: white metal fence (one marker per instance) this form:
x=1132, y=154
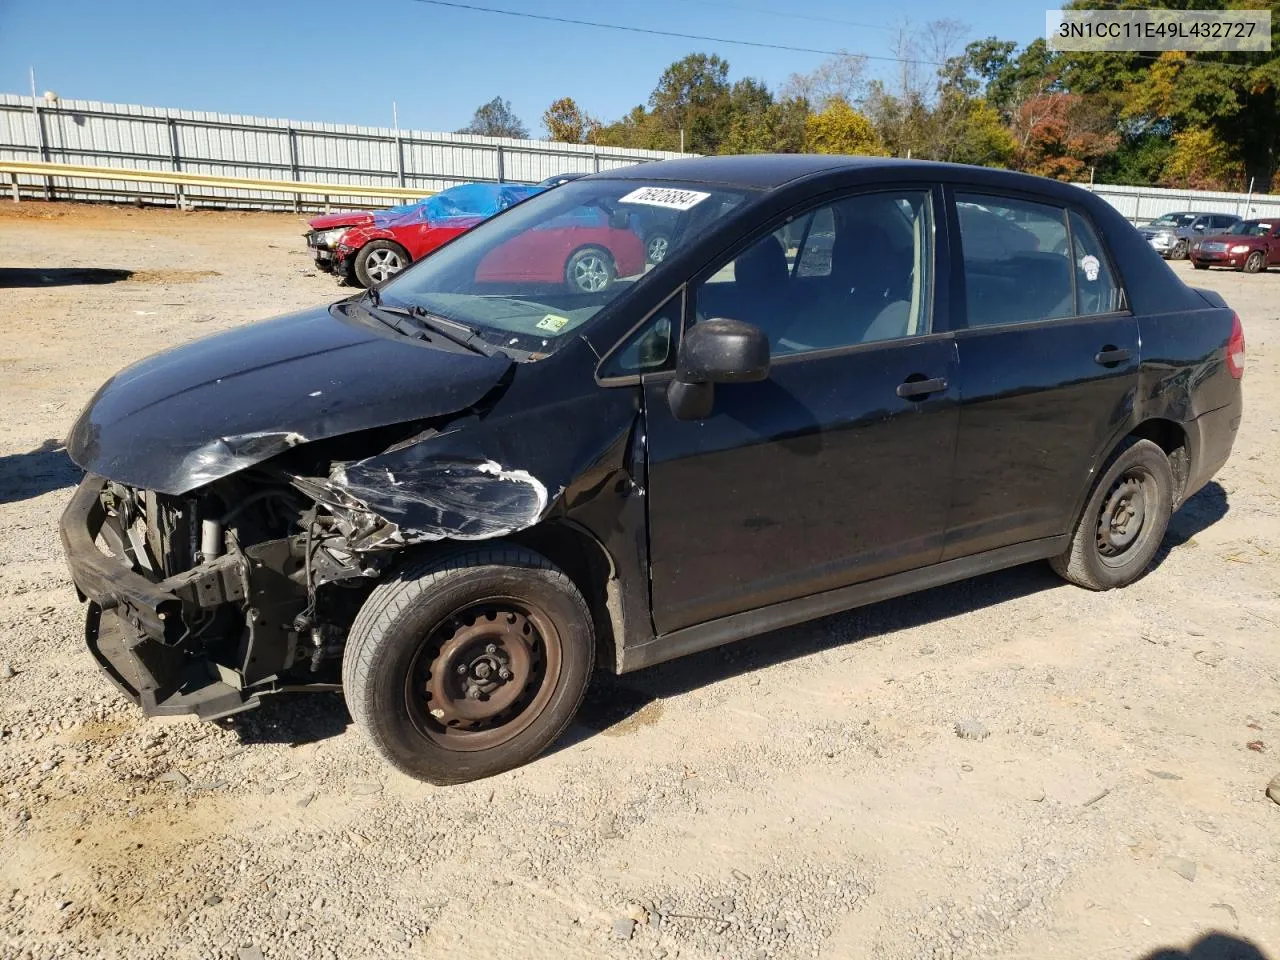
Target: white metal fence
x=1141, y=204
x=218, y=144
x=86, y=132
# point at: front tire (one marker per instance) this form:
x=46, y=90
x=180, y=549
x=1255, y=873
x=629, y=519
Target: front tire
x=379, y=260
x=1254, y=262
x=656, y=246
x=469, y=663
x=1200, y=266
x=1123, y=522
x=1179, y=251
x=589, y=270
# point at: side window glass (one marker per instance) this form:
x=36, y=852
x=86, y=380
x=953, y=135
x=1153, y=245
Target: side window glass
x=855, y=271
x=1096, y=287
x=1016, y=264
x=651, y=347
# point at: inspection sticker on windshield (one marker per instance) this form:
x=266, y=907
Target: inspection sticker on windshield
x=552, y=323
x=665, y=197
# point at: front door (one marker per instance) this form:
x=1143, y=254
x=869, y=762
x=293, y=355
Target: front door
x=836, y=468
x=1049, y=369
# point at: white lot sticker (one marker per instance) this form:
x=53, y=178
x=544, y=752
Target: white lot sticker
x=667, y=197
x=1264, y=226
x=1090, y=265
x=552, y=322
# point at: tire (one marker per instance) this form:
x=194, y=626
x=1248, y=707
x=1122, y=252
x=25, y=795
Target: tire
x=1255, y=262
x=589, y=270
x=1179, y=251
x=656, y=246
x=1200, y=266
x=379, y=260
x=484, y=610
x=1137, y=477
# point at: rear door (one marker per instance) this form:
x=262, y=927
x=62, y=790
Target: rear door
x=1273, y=245
x=1048, y=360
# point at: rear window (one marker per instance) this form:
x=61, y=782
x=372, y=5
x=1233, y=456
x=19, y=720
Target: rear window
x=1026, y=261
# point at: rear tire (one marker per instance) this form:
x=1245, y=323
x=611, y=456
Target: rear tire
x=589, y=270
x=468, y=663
x=1254, y=262
x=379, y=260
x=1123, y=522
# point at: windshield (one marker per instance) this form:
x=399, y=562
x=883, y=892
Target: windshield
x=530, y=277
x=1174, y=220
x=1250, y=228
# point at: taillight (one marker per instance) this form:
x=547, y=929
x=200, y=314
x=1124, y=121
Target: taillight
x=1235, y=348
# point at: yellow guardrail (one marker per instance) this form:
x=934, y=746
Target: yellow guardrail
x=183, y=179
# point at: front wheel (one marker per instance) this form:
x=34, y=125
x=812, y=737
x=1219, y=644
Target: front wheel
x=1123, y=522
x=379, y=260
x=469, y=663
x=1179, y=251
x=1200, y=266
x=1254, y=262
x=590, y=270
x=656, y=246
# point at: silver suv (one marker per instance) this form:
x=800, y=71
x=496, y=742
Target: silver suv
x=1171, y=234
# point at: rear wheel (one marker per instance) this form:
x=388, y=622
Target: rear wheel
x=1123, y=521
x=1254, y=262
x=468, y=664
x=379, y=260
x=590, y=270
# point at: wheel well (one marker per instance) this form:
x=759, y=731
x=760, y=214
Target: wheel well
x=588, y=565
x=1172, y=439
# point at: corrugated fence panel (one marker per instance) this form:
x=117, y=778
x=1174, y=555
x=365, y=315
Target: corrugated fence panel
x=130, y=135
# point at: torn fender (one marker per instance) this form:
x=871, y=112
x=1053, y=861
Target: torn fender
x=482, y=478
x=210, y=408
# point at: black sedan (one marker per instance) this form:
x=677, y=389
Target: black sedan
x=461, y=492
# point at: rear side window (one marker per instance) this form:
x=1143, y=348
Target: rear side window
x=1016, y=263
x=1096, y=287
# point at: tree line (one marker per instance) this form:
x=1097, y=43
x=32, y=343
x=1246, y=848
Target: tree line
x=1208, y=121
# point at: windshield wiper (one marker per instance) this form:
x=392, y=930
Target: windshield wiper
x=459, y=333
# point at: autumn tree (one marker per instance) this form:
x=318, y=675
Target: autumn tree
x=1200, y=161
x=1060, y=134
x=566, y=122
x=841, y=129
x=496, y=119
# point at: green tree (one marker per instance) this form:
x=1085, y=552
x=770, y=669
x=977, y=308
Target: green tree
x=841, y=129
x=693, y=95
x=496, y=119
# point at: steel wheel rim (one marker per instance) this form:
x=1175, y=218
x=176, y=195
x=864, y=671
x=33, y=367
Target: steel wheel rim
x=1125, y=518
x=657, y=249
x=381, y=264
x=591, y=273
x=469, y=649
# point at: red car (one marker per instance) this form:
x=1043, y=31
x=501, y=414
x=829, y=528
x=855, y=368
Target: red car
x=579, y=249
x=1250, y=245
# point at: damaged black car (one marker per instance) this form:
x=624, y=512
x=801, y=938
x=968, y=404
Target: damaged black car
x=458, y=494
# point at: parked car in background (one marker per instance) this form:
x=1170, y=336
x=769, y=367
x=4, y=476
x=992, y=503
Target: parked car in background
x=1250, y=245
x=1171, y=234
x=462, y=492
x=364, y=247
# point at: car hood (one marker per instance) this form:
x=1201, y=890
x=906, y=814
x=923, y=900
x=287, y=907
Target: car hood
x=207, y=409
x=345, y=218
x=1232, y=238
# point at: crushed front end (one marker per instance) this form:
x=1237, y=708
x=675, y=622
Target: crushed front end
x=203, y=603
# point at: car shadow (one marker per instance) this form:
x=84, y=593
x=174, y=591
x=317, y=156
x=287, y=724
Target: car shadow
x=294, y=719
x=60, y=276
x=1212, y=946
x=36, y=472
x=1202, y=511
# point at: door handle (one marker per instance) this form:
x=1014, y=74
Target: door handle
x=1110, y=356
x=914, y=389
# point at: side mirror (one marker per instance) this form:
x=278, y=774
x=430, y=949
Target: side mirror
x=715, y=351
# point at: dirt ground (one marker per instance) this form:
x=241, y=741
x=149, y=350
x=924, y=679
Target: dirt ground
x=805, y=794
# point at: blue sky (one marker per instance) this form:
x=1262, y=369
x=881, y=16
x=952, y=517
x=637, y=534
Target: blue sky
x=345, y=62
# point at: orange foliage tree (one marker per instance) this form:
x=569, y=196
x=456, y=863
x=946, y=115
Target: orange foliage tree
x=1060, y=134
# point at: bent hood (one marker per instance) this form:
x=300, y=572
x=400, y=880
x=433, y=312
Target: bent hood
x=210, y=408
x=344, y=218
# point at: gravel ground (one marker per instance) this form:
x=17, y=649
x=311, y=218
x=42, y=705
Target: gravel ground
x=1005, y=767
